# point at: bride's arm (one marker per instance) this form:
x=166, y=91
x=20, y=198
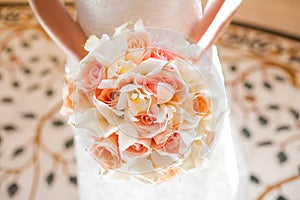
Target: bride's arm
x=216, y=16
x=60, y=26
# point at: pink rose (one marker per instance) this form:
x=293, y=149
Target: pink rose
x=167, y=141
x=90, y=76
x=106, y=152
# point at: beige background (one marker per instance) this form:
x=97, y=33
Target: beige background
x=278, y=15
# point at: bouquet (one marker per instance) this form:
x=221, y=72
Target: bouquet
x=142, y=103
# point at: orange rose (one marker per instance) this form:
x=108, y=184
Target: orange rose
x=90, y=76
x=106, y=152
x=167, y=141
x=108, y=96
x=200, y=106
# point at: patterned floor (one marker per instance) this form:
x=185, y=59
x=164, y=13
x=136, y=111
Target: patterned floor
x=262, y=76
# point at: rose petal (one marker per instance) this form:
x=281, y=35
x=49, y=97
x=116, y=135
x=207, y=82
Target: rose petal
x=147, y=67
x=92, y=42
x=106, y=83
x=125, y=141
x=128, y=88
x=92, y=121
x=111, y=115
x=165, y=92
x=129, y=129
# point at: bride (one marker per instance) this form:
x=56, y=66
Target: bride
x=97, y=17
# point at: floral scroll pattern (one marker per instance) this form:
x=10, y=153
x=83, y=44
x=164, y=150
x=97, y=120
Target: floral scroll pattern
x=36, y=145
x=262, y=79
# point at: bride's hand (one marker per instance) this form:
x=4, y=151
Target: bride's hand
x=55, y=19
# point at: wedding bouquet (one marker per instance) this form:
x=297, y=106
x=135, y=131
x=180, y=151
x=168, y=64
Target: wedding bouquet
x=146, y=103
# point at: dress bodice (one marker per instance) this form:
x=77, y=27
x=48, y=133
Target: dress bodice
x=102, y=16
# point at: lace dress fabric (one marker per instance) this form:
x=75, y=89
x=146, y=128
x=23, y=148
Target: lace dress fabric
x=220, y=179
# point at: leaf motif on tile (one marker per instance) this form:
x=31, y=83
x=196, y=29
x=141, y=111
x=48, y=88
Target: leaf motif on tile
x=246, y=132
x=12, y=189
x=28, y=115
x=9, y=127
x=295, y=113
x=283, y=128
x=265, y=143
x=282, y=157
x=281, y=198
x=7, y=100
x=274, y=107
x=263, y=120
x=69, y=143
x=248, y=85
x=49, y=92
x=58, y=123
x=267, y=85
x=73, y=180
x=50, y=178
x=254, y=179
x=18, y=152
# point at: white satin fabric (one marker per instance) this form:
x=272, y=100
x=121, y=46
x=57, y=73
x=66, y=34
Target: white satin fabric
x=102, y=16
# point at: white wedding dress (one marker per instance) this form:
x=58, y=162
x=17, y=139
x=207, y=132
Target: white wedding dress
x=220, y=179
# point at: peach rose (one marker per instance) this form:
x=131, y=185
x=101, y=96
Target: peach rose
x=138, y=40
x=108, y=96
x=139, y=148
x=137, y=44
x=90, y=76
x=170, y=173
x=200, y=106
x=106, y=152
x=161, y=54
x=68, y=90
x=147, y=124
x=164, y=87
x=167, y=141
